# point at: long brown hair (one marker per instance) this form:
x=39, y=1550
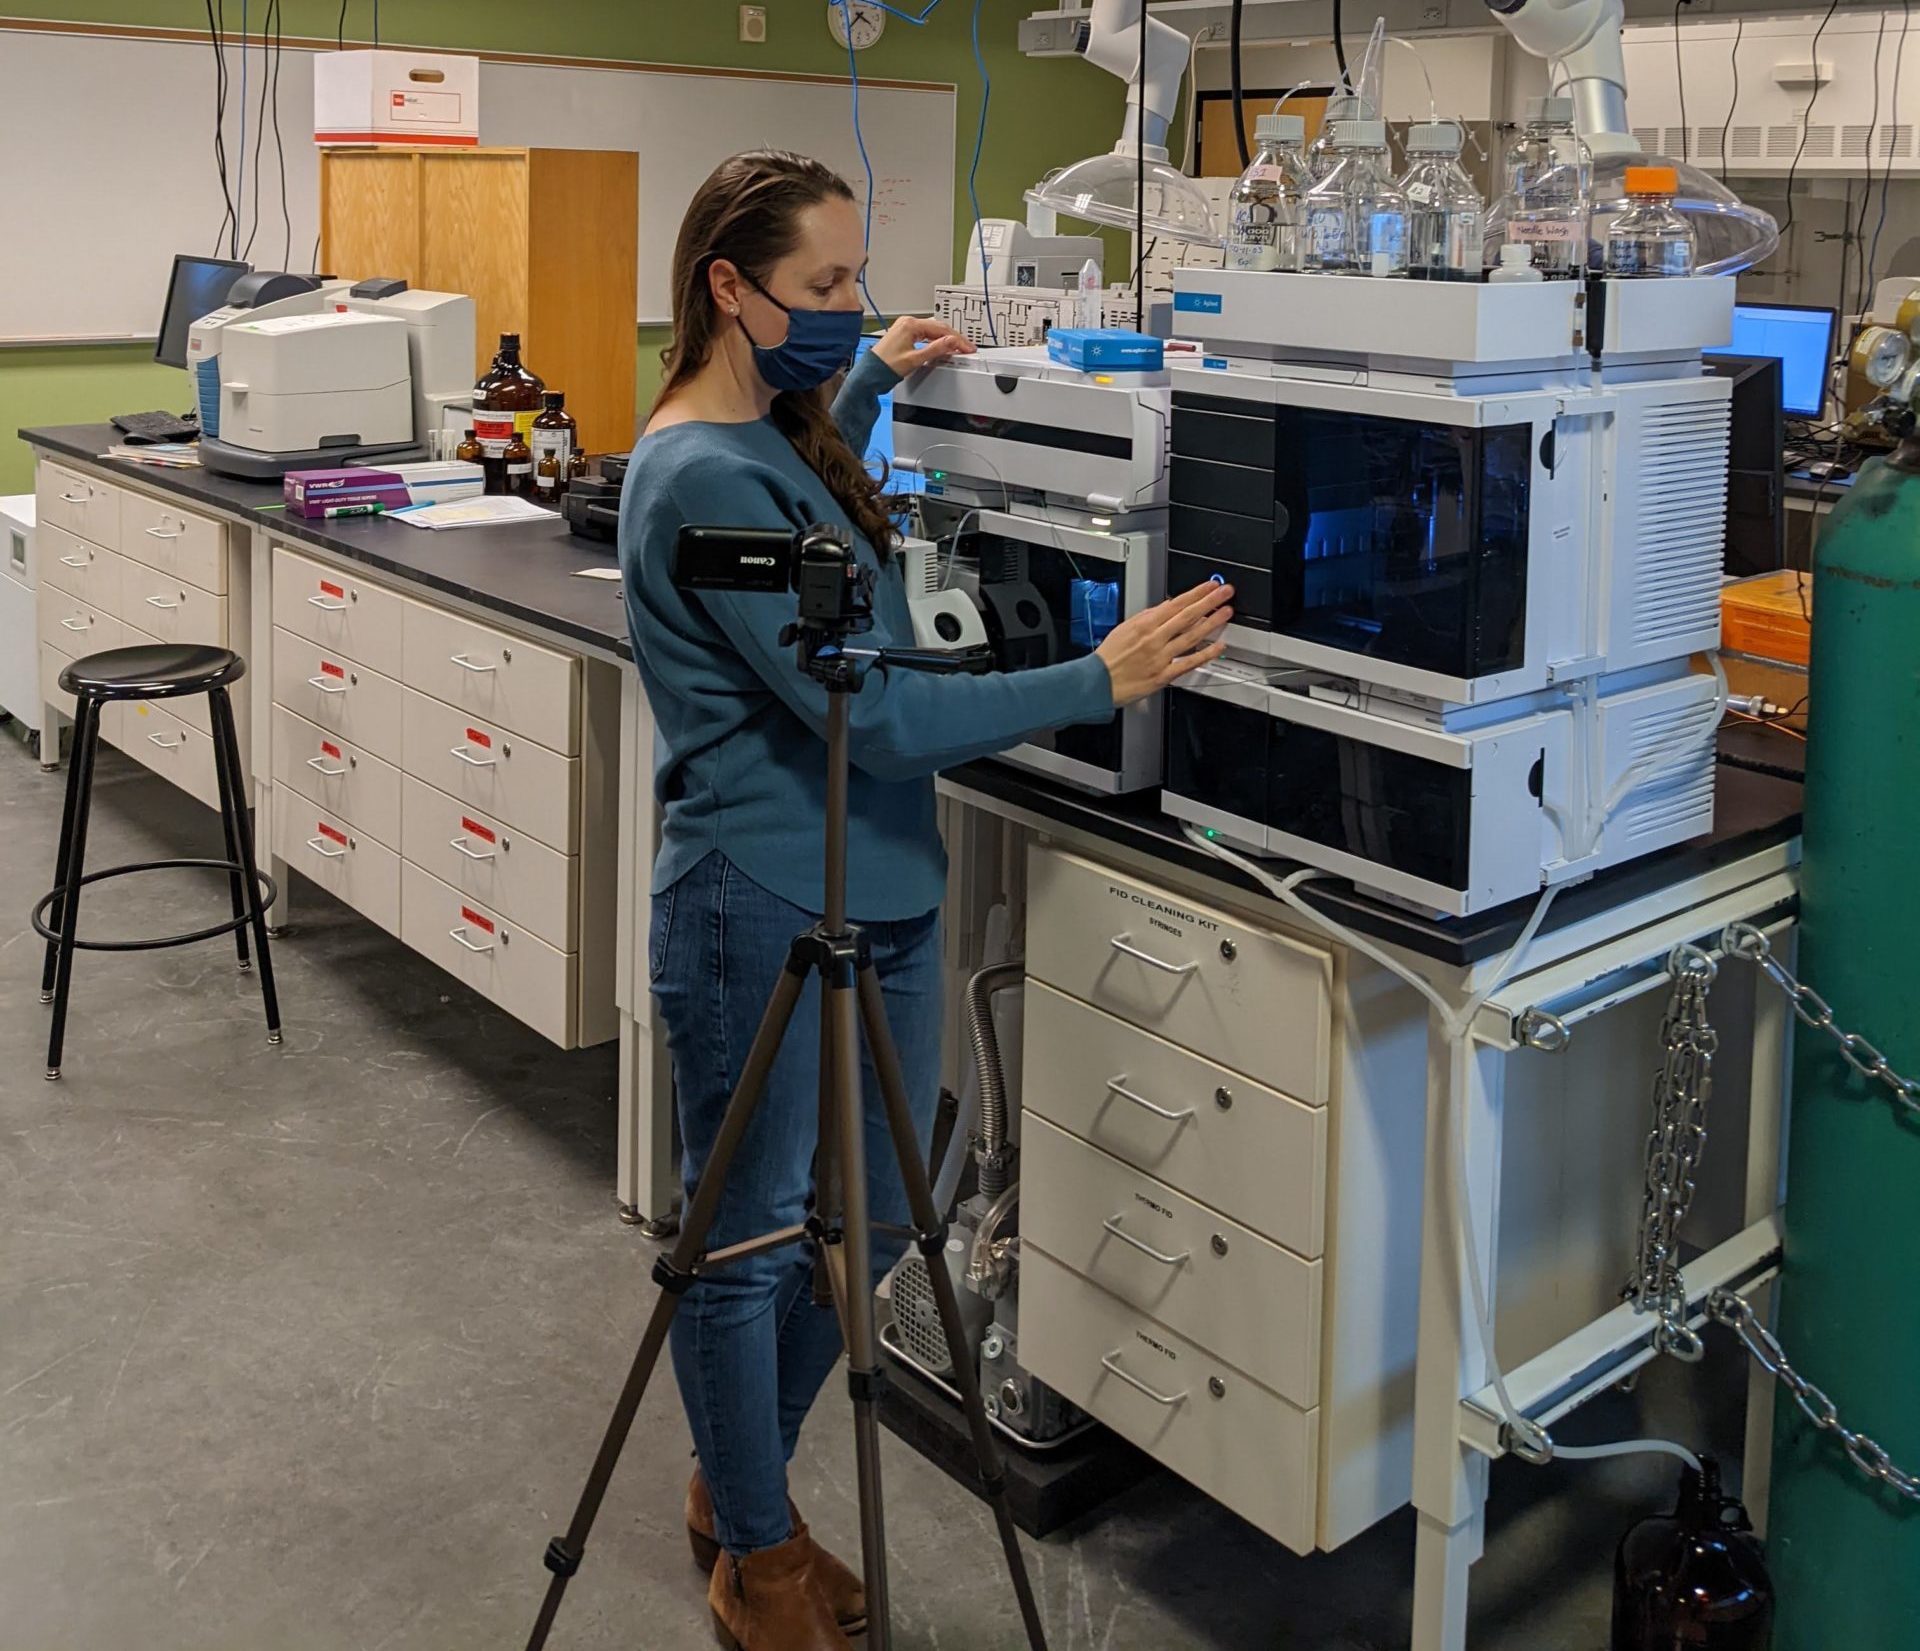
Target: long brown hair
x=748, y=212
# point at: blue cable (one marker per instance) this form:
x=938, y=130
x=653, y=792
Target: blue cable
x=240, y=189
x=973, y=172
x=853, y=74
x=905, y=16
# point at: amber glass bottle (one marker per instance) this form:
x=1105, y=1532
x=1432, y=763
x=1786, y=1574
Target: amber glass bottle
x=518, y=462
x=553, y=439
x=506, y=399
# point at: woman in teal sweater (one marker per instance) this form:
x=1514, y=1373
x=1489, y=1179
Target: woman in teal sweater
x=766, y=313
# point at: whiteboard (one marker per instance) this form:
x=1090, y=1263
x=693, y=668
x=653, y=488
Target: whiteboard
x=126, y=126
x=110, y=172
x=685, y=124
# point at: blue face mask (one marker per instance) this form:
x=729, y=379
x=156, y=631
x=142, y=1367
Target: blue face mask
x=818, y=344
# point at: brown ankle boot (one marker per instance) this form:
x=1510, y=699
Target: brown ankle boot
x=771, y=1601
x=846, y=1596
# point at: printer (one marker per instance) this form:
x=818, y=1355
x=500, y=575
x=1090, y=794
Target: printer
x=367, y=377
x=255, y=296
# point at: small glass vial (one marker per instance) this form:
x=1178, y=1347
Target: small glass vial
x=1651, y=237
x=1548, y=201
x=1356, y=214
x=1268, y=206
x=1445, y=214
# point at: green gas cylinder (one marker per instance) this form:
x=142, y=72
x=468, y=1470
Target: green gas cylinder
x=1846, y=1550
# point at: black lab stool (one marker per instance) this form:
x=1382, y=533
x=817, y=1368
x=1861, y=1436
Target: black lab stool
x=155, y=671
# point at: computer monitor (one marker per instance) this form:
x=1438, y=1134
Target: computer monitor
x=198, y=287
x=1801, y=337
x=880, y=443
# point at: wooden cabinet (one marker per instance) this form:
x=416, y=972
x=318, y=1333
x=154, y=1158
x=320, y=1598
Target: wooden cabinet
x=545, y=241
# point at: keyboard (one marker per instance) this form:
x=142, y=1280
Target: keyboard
x=157, y=427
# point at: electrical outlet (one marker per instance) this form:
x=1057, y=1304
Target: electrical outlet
x=753, y=25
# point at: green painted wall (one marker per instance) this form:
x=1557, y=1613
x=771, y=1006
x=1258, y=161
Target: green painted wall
x=1045, y=113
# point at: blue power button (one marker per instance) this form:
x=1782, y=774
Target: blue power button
x=1216, y=578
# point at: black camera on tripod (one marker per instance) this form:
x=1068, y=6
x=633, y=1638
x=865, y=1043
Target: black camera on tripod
x=816, y=563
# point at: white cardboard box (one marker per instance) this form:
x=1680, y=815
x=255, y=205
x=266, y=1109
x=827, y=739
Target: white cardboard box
x=398, y=97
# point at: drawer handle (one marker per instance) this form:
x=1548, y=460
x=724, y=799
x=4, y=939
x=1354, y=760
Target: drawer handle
x=321, y=768
x=461, y=752
x=77, y=624
x=1119, y=1087
x=76, y=561
x=467, y=664
x=459, y=935
x=163, y=742
x=155, y=533
x=1112, y=1225
x=325, y=686
x=319, y=846
x=77, y=498
x=1122, y=943
x=325, y=606
x=1111, y=1364
x=461, y=844
x=159, y=602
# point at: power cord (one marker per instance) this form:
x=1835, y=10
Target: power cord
x=1886, y=176
x=1806, y=115
x=853, y=75
x=1726, y=131
x=1680, y=77
x=973, y=174
x=216, y=33
x=1235, y=21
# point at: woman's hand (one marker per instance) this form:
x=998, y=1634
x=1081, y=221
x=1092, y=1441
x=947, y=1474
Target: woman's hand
x=913, y=342
x=1145, y=653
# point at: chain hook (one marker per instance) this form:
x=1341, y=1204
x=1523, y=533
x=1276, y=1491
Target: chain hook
x=1687, y=960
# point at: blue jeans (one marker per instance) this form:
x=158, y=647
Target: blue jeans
x=750, y=1348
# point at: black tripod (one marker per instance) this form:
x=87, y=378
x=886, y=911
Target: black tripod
x=834, y=603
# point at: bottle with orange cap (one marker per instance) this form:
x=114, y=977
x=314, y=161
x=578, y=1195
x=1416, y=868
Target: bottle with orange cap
x=1651, y=237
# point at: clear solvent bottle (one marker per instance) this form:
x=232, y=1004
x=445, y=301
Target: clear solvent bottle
x=1445, y=214
x=1651, y=237
x=1548, y=199
x=1267, y=212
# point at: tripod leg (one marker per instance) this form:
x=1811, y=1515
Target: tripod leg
x=826, y=1167
x=674, y=1274
x=928, y=1221
x=863, y=1343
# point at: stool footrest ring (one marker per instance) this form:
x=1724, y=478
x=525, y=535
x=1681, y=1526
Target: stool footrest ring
x=269, y=892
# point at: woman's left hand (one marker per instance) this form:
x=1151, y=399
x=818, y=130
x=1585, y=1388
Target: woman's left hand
x=913, y=342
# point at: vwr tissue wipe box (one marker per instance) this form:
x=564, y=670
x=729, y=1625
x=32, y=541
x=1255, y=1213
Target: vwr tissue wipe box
x=1105, y=349
x=360, y=488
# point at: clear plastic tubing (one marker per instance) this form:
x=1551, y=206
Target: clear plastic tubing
x=1651, y=238
x=1267, y=212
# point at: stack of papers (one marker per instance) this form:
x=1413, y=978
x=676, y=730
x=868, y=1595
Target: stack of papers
x=173, y=455
x=483, y=512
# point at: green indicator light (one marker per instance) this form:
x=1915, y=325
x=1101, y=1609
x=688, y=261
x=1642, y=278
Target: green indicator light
x=938, y=475
x=1212, y=835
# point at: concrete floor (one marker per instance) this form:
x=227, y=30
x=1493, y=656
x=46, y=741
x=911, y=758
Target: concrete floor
x=311, y=1346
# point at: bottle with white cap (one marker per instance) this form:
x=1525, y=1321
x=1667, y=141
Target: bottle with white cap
x=1357, y=214
x=1548, y=201
x=1513, y=266
x=1444, y=211
x=1267, y=209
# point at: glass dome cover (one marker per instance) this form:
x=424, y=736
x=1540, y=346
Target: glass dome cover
x=1100, y=190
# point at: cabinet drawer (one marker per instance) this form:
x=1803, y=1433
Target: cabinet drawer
x=518, y=781
x=323, y=768
x=175, y=541
x=516, y=685
x=504, y=963
x=66, y=499
x=337, y=694
x=342, y=613
x=1226, y=1289
x=52, y=663
x=349, y=865
x=73, y=627
x=170, y=608
x=154, y=737
x=70, y=564
x=1239, y=995
x=1240, y=1443
x=1220, y=1138
x=519, y=877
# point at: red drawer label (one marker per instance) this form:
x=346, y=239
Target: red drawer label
x=484, y=741
x=331, y=590
x=478, y=830
x=332, y=833
x=328, y=668
x=329, y=749
x=476, y=919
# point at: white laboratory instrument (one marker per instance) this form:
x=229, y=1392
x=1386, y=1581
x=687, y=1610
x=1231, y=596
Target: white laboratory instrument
x=1053, y=484
x=369, y=378
x=944, y=616
x=258, y=296
x=19, y=627
x=1003, y=252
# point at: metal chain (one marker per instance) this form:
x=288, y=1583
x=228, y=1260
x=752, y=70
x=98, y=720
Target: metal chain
x=1744, y=940
x=1681, y=1091
x=1737, y=1314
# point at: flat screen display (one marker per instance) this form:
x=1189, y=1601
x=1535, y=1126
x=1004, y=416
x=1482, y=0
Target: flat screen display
x=1801, y=338
x=199, y=287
